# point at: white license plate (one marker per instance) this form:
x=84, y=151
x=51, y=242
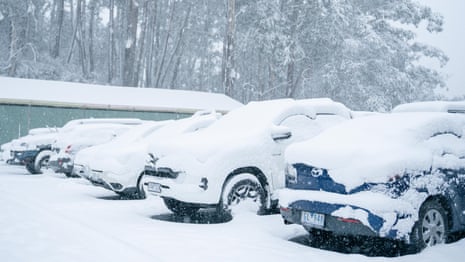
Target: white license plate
x=154, y=187
x=313, y=219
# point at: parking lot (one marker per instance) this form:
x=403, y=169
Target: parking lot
x=53, y=218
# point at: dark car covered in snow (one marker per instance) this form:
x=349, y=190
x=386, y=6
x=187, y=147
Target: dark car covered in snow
x=394, y=176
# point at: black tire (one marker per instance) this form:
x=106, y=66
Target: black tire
x=140, y=192
x=432, y=227
x=40, y=161
x=41, y=164
x=31, y=168
x=69, y=174
x=180, y=208
x=240, y=188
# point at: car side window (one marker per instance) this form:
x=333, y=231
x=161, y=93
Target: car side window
x=301, y=126
x=447, y=143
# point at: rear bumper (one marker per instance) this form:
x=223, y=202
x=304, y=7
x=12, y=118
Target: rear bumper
x=61, y=165
x=336, y=225
x=345, y=217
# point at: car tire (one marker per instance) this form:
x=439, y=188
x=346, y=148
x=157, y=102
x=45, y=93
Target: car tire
x=179, y=208
x=41, y=160
x=70, y=174
x=432, y=227
x=31, y=168
x=240, y=188
x=140, y=193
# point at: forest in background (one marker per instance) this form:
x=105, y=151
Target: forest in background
x=363, y=53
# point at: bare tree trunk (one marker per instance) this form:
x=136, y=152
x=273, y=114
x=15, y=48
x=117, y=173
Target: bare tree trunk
x=71, y=11
x=149, y=71
x=142, y=39
x=290, y=81
x=130, y=45
x=111, y=27
x=93, y=8
x=13, y=48
x=177, y=45
x=59, y=27
x=175, y=72
x=81, y=39
x=228, y=49
x=75, y=29
x=165, y=45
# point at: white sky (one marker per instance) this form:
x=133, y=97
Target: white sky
x=451, y=41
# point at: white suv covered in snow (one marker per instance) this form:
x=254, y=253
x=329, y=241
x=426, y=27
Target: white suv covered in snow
x=73, y=138
x=119, y=164
x=239, y=157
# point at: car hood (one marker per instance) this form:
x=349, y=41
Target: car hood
x=204, y=144
x=112, y=158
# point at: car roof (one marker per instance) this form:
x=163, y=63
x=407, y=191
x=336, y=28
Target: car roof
x=432, y=106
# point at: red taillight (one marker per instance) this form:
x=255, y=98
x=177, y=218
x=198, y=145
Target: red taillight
x=394, y=178
x=285, y=209
x=68, y=149
x=349, y=220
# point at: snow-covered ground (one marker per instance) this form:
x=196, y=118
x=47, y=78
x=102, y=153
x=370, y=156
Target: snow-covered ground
x=51, y=218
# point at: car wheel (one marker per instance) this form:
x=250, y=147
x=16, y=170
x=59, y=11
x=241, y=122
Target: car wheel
x=41, y=161
x=179, y=208
x=243, y=190
x=431, y=228
x=140, y=193
x=31, y=168
x=70, y=174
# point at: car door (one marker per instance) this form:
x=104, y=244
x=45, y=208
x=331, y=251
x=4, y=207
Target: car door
x=301, y=127
x=449, y=158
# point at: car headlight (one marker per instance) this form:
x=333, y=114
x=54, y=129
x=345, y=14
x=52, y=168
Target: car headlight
x=291, y=174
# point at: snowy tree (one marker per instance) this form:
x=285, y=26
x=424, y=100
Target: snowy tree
x=360, y=52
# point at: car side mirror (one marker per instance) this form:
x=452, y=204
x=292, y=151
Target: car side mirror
x=280, y=133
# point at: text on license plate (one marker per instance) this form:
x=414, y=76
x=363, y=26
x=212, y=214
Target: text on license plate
x=314, y=219
x=154, y=187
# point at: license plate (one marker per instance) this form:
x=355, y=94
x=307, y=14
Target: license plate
x=313, y=219
x=154, y=187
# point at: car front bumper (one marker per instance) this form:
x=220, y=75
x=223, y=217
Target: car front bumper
x=184, y=188
x=104, y=179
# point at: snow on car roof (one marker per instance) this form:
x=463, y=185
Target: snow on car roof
x=432, y=106
x=326, y=106
x=259, y=115
x=124, y=121
x=375, y=148
x=90, y=133
x=42, y=130
x=56, y=93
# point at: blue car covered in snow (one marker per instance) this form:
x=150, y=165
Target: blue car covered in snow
x=398, y=176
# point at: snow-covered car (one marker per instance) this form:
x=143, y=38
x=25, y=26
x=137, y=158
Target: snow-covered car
x=431, y=106
x=5, y=151
x=119, y=164
x=24, y=150
x=237, y=159
x=72, y=139
x=394, y=176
